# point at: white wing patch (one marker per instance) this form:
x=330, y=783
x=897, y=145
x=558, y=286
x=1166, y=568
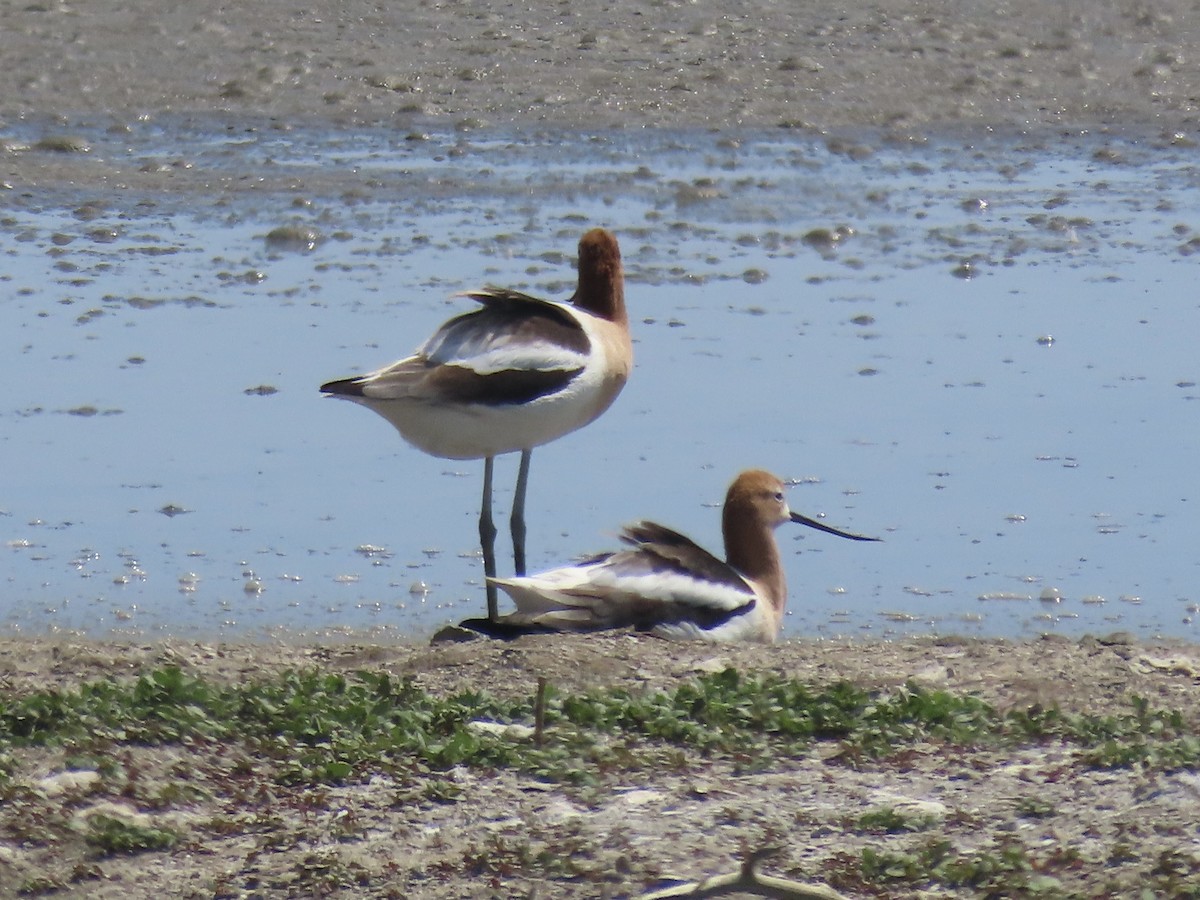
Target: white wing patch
x=511, y=357
x=489, y=344
x=674, y=587
x=610, y=594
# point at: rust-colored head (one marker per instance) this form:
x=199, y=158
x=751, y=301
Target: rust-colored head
x=601, y=289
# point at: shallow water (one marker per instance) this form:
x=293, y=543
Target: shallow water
x=993, y=368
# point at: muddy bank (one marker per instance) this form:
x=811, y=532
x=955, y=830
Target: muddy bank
x=1034, y=816
x=897, y=64
x=1095, y=675
x=77, y=76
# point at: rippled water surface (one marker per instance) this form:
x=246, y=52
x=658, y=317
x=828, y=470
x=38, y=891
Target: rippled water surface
x=984, y=353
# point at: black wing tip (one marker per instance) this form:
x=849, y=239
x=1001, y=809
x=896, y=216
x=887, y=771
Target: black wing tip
x=497, y=629
x=343, y=387
x=494, y=294
x=632, y=534
x=647, y=532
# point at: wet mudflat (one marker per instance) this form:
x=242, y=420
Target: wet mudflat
x=954, y=345
x=943, y=348
x=931, y=265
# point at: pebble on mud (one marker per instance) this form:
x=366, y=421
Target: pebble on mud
x=294, y=237
x=63, y=143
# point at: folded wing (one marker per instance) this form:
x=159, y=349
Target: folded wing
x=664, y=578
x=515, y=349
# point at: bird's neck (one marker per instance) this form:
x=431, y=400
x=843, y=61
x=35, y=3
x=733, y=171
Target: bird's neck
x=754, y=553
x=603, y=294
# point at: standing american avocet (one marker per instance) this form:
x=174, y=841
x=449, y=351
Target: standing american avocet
x=515, y=374
x=667, y=584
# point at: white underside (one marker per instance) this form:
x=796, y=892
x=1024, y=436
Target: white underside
x=457, y=430
x=473, y=431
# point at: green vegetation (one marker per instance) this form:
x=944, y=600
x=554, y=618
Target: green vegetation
x=1035, y=808
x=277, y=746
x=329, y=728
x=1007, y=869
x=111, y=835
x=892, y=821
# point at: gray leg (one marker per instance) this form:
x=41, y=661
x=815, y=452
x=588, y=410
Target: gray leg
x=487, y=539
x=517, y=522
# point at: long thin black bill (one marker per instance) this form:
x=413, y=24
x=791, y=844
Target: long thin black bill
x=829, y=529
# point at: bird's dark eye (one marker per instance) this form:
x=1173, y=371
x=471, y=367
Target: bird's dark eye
x=779, y=496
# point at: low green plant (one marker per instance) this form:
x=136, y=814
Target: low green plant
x=41, y=885
x=439, y=790
x=1004, y=870
x=327, y=728
x=890, y=820
x=1035, y=808
x=110, y=836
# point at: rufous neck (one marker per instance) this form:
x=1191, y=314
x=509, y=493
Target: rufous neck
x=751, y=549
x=601, y=289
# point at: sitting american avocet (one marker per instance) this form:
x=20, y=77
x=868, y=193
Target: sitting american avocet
x=517, y=373
x=666, y=584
